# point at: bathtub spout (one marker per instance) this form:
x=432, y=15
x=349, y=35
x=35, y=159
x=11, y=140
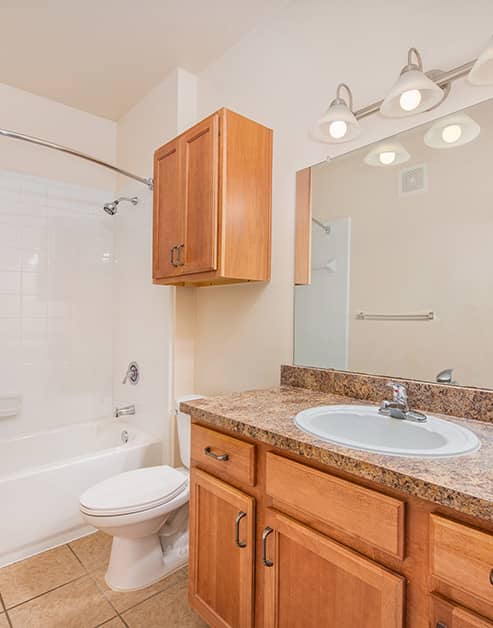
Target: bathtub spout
x=124, y=411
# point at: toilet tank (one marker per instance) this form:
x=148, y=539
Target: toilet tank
x=183, y=427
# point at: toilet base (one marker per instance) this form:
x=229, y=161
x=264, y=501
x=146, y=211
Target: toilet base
x=138, y=563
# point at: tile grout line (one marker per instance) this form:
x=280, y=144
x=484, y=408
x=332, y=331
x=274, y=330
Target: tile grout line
x=35, y=597
x=2, y=605
x=78, y=559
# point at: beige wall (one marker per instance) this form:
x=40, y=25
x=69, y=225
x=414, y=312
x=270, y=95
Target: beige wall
x=284, y=75
x=33, y=115
x=145, y=325
x=425, y=252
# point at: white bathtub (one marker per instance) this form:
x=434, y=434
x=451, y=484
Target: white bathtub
x=42, y=476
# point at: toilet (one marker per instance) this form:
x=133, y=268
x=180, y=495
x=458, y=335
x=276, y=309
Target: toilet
x=146, y=513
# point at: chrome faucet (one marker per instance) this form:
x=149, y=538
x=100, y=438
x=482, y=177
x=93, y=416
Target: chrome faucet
x=398, y=407
x=124, y=411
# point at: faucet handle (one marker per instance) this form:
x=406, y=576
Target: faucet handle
x=399, y=392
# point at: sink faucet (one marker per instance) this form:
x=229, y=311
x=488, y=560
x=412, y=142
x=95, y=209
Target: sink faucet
x=398, y=408
x=124, y=411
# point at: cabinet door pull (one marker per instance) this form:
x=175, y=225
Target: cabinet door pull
x=491, y=577
x=239, y=517
x=179, y=249
x=440, y=625
x=172, y=256
x=265, y=534
x=222, y=457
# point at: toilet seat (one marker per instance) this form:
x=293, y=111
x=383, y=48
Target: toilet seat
x=134, y=491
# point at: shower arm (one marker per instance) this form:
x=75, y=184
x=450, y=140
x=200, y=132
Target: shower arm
x=70, y=151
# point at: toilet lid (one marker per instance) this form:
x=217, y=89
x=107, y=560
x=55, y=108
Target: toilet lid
x=134, y=491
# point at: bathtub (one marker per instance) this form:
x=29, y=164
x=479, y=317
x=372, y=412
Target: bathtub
x=42, y=476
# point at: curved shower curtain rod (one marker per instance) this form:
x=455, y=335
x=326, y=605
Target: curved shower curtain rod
x=70, y=151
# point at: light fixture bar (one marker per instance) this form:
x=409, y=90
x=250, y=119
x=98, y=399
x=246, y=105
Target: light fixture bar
x=441, y=79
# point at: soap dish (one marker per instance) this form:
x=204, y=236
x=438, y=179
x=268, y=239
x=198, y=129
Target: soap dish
x=10, y=404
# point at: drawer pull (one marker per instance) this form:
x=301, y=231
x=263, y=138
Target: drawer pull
x=222, y=457
x=440, y=625
x=239, y=517
x=265, y=534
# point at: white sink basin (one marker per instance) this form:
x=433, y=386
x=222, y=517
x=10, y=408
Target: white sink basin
x=362, y=427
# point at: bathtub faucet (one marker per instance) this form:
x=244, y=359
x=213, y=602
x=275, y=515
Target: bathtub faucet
x=124, y=411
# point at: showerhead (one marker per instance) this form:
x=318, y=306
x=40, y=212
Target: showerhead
x=111, y=208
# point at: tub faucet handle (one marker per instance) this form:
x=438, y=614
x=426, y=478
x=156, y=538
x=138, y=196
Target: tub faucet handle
x=132, y=375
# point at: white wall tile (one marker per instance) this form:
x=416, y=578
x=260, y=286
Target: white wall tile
x=56, y=280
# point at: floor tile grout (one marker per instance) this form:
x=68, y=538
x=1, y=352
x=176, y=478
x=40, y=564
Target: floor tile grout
x=35, y=597
x=2, y=605
x=78, y=559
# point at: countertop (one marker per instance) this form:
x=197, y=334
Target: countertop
x=463, y=483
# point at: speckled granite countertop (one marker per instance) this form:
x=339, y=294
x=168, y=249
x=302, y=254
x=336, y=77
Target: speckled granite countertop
x=463, y=483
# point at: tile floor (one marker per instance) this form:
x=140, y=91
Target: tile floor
x=64, y=588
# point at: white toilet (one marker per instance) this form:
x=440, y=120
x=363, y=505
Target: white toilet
x=146, y=513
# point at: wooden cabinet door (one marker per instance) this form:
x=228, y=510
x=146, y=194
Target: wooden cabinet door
x=222, y=552
x=169, y=223
x=311, y=581
x=445, y=614
x=200, y=148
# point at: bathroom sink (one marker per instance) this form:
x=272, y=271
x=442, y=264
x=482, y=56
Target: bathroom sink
x=362, y=427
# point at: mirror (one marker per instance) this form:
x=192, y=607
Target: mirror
x=395, y=248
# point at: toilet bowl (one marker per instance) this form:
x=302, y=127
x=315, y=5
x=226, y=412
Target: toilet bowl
x=146, y=513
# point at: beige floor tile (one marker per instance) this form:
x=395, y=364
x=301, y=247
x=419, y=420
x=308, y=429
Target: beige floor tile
x=169, y=608
x=124, y=601
x=26, y=579
x=78, y=604
x=116, y=622
x=94, y=550
x=3, y=621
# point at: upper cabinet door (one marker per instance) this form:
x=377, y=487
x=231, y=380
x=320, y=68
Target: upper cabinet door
x=312, y=581
x=169, y=225
x=200, y=147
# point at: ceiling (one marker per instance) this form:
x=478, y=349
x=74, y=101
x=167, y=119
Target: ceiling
x=102, y=56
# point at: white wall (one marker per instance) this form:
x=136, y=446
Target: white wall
x=284, y=75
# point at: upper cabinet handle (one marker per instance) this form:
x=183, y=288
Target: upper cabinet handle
x=178, y=251
x=239, y=517
x=222, y=457
x=265, y=534
x=172, y=251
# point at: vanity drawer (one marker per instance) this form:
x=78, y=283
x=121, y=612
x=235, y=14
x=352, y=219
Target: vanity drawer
x=462, y=557
x=222, y=454
x=445, y=614
x=361, y=512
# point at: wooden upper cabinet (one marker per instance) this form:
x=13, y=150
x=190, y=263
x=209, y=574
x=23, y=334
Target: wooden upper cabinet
x=212, y=203
x=168, y=220
x=222, y=552
x=311, y=581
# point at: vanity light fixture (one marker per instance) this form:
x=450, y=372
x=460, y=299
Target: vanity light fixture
x=482, y=70
x=339, y=123
x=455, y=130
x=414, y=91
x=387, y=154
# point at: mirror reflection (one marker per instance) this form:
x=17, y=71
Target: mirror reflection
x=399, y=255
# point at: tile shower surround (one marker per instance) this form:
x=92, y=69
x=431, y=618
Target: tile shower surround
x=56, y=283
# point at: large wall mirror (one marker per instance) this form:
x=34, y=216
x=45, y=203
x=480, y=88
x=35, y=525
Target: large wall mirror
x=394, y=256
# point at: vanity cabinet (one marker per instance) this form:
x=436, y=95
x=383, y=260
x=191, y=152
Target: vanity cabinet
x=278, y=543
x=212, y=203
x=222, y=546
x=313, y=581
